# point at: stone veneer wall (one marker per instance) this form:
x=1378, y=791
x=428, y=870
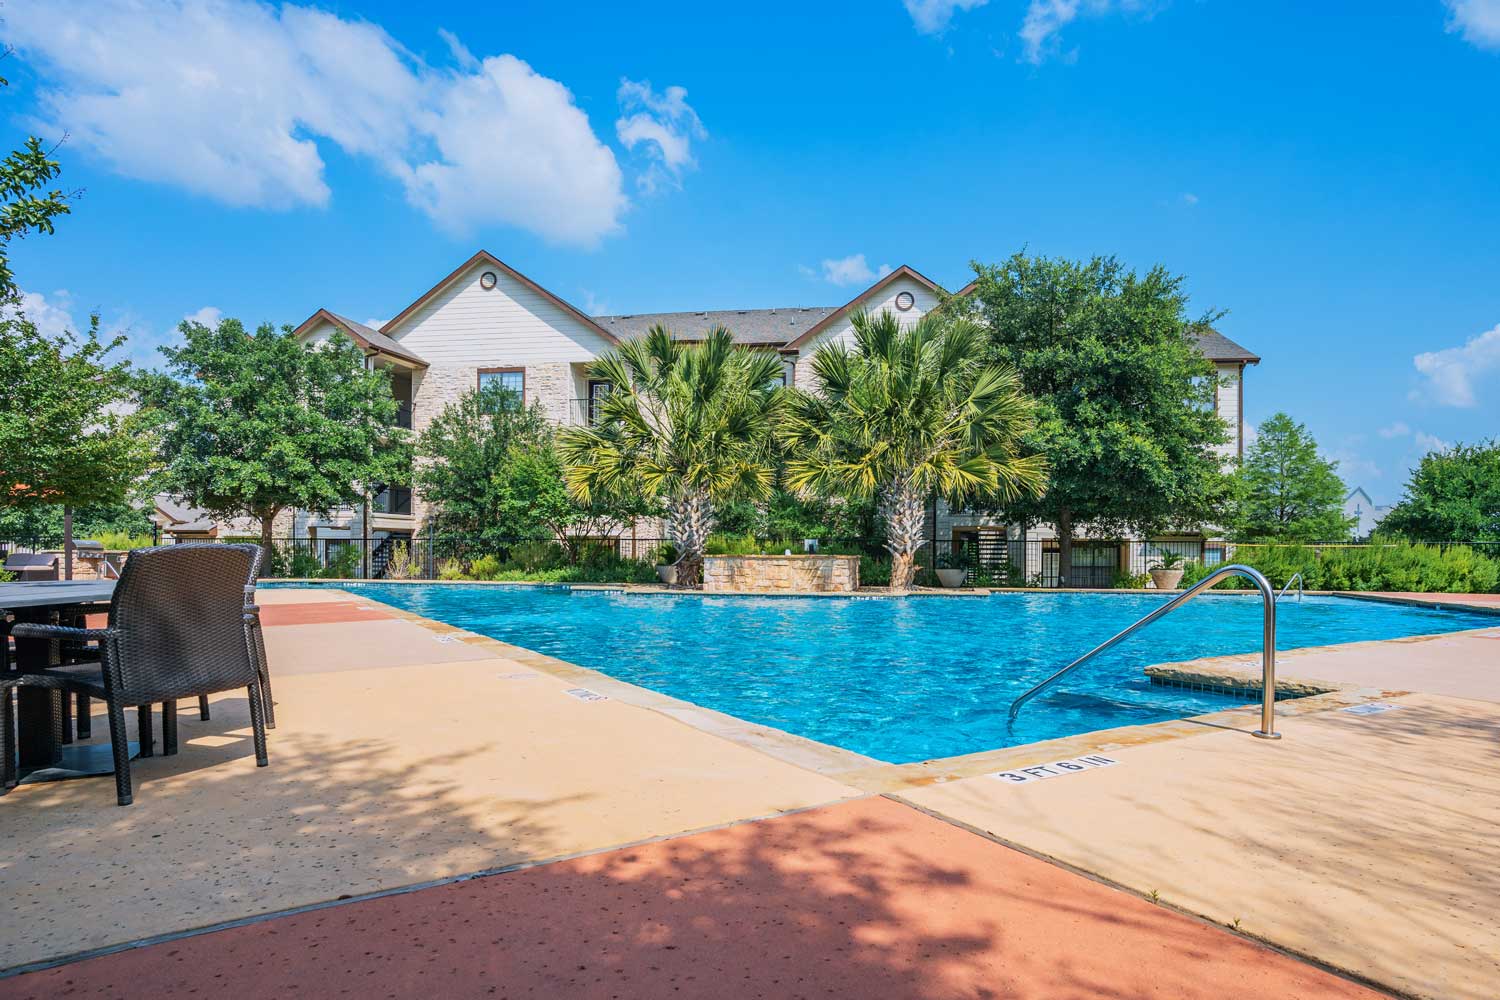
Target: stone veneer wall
x=781, y=574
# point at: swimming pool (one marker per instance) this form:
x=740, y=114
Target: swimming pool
x=905, y=679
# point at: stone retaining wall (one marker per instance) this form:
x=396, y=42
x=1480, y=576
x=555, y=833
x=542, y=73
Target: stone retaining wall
x=781, y=574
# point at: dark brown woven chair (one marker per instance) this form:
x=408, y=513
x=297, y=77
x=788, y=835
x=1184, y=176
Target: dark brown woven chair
x=178, y=628
x=255, y=637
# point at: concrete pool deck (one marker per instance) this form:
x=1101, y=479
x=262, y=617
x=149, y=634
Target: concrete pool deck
x=412, y=754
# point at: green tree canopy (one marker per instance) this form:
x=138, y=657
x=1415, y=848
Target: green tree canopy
x=26, y=206
x=1453, y=496
x=1286, y=491
x=1126, y=418
x=69, y=432
x=687, y=425
x=906, y=413
x=254, y=424
x=489, y=469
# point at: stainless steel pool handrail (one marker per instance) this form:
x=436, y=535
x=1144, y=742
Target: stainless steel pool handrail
x=1267, y=729
x=1297, y=579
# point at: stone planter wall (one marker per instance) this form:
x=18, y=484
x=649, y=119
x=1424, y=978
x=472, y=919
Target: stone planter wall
x=781, y=574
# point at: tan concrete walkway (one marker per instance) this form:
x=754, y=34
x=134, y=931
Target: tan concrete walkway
x=379, y=778
x=1365, y=840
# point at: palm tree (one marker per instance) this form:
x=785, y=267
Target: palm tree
x=688, y=424
x=905, y=413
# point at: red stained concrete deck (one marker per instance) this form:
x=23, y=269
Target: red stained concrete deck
x=868, y=899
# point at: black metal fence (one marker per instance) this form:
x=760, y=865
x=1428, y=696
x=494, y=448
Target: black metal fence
x=987, y=559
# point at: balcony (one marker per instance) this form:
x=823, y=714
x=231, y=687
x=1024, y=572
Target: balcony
x=583, y=412
x=391, y=500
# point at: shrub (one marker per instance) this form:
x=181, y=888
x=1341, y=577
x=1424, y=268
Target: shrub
x=1399, y=566
x=122, y=540
x=537, y=555
x=345, y=564
x=403, y=563
x=486, y=567
x=874, y=572
x=451, y=569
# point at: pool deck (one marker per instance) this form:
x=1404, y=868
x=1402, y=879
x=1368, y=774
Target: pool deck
x=634, y=846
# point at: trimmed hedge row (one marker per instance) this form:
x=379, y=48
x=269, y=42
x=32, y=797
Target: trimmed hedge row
x=1398, y=566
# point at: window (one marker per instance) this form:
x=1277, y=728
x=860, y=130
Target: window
x=508, y=385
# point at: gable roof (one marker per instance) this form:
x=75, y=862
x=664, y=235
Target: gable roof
x=1214, y=345
x=364, y=336
x=485, y=257
x=751, y=327
x=901, y=272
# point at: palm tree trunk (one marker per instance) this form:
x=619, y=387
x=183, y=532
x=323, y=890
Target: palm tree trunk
x=689, y=520
x=903, y=532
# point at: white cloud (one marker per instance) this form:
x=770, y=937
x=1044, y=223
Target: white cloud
x=1429, y=442
x=664, y=124
x=1398, y=429
x=1478, y=21
x=51, y=317
x=208, y=316
x=932, y=16
x=1450, y=373
x=513, y=148
x=850, y=270
x=231, y=99
x=1188, y=198
x=1248, y=433
x=1045, y=20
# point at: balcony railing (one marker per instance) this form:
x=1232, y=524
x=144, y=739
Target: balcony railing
x=583, y=412
x=391, y=500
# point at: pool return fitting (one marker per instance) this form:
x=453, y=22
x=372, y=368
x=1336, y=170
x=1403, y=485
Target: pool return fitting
x=1267, y=730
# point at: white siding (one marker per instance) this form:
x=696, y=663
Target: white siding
x=1229, y=407
x=841, y=330
x=509, y=325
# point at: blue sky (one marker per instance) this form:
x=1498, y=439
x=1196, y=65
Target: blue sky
x=1328, y=173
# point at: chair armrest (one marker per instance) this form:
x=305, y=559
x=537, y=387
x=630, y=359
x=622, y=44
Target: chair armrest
x=32, y=630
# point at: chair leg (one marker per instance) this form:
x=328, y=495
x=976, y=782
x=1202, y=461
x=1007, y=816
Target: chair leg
x=85, y=716
x=203, y=707
x=66, y=699
x=258, y=724
x=8, y=776
x=143, y=715
x=169, y=727
x=265, y=676
x=119, y=742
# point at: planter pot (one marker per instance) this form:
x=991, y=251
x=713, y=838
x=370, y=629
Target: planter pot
x=1166, y=579
x=667, y=574
x=952, y=578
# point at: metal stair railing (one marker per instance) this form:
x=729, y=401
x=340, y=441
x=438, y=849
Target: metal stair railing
x=1267, y=730
x=1297, y=579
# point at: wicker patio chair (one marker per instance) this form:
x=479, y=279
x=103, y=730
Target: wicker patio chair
x=254, y=636
x=178, y=627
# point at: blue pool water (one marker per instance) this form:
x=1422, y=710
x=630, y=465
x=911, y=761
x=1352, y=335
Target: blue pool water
x=904, y=679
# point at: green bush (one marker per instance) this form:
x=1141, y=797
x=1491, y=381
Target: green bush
x=1401, y=566
x=533, y=556
x=874, y=572
x=121, y=540
x=345, y=564
x=486, y=567
x=451, y=569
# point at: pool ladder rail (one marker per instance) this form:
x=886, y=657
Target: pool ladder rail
x=1267, y=730
x=1297, y=579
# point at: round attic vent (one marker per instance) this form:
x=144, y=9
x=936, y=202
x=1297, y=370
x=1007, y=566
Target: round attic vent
x=487, y=280
x=904, y=301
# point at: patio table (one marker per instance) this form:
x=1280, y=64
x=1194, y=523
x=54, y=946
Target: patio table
x=39, y=718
